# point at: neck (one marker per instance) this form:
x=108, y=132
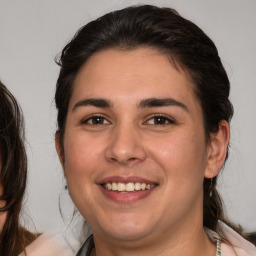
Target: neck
x=188, y=242
x=186, y=236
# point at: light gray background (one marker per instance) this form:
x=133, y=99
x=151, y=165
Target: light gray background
x=32, y=32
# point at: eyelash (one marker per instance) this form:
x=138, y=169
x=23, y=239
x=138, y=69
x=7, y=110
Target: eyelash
x=101, y=120
x=92, y=118
x=164, y=120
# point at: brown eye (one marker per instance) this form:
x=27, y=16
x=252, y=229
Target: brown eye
x=160, y=120
x=95, y=120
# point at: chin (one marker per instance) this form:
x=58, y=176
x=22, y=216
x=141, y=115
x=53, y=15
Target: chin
x=128, y=235
x=126, y=230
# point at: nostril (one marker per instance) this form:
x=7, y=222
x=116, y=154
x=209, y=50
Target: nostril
x=132, y=159
x=113, y=159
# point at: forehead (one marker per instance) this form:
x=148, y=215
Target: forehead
x=142, y=72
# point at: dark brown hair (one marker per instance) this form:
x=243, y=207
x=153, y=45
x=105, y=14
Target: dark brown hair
x=252, y=237
x=187, y=47
x=13, y=174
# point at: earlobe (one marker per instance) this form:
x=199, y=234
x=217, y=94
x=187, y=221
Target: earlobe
x=59, y=148
x=217, y=150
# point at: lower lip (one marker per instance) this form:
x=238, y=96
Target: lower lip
x=126, y=197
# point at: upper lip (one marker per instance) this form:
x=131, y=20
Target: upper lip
x=125, y=179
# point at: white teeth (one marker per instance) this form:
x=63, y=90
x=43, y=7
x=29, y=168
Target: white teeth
x=108, y=186
x=114, y=186
x=127, y=187
x=137, y=186
x=121, y=186
x=143, y=186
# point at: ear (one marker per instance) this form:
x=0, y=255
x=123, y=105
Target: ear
x=59, y=149
x=217, y=150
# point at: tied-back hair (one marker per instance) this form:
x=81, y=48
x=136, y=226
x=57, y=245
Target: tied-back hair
x=187, y=47
x=13, y=174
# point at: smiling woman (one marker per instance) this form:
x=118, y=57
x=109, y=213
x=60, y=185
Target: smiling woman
x=143, y=131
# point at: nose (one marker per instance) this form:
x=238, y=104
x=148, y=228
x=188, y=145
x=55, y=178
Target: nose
x=125, y=146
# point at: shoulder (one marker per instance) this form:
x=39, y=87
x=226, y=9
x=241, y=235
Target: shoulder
x=49, y=245
x=233, y=244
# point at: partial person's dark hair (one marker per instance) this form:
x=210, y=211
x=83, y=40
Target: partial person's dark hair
x=188, y=48
x=13, y=174
x=251, y=237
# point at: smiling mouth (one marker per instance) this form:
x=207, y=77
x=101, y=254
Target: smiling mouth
x=127, y=187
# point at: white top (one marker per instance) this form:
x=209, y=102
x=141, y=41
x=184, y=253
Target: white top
x=57, y=245
x=233, y=244
x=49, y=245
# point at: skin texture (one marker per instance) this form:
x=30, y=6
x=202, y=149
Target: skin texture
x=3, y=215
x=127, y=139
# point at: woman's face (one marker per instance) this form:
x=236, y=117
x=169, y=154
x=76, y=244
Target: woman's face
x=2, y=203
x=135, y=154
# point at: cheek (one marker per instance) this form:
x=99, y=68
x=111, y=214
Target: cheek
x=3, y=215
x=181, y=156
x=82, y=155
x=80, y=168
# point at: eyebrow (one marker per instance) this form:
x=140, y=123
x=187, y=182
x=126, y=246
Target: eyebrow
x=95, y=102
x=146, y=103
x=161, y=102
